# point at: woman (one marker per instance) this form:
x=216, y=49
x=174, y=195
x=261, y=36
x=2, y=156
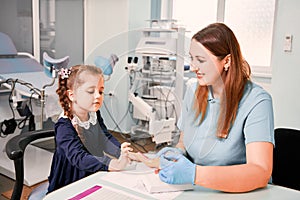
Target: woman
x=227, y=121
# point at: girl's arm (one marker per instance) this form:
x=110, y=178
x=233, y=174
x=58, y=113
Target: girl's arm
x=112, y=145
x=70, y=144
x=240, y=178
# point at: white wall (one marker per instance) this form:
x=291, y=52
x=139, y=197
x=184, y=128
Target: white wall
x=103, y=20
x=286, y=66
x=112, y=27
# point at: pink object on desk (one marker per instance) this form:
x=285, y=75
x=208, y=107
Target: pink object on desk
x=86, y=192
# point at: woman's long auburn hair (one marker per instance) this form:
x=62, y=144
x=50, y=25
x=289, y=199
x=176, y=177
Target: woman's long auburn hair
x=221, y=41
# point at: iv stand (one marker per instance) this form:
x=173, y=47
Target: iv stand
x=43, y=95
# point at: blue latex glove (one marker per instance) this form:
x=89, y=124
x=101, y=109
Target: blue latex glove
x=169, y=149
x=176, y=169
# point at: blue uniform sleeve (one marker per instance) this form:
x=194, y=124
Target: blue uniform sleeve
x=112, y=145
x=69, y=143
x=259, y=125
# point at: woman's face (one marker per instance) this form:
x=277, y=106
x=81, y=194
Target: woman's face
x=208, y=67
x=89, y=95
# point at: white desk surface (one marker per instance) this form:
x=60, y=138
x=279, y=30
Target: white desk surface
x=271, y=192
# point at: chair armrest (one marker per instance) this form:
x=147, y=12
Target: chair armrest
x=16, y=146
x=15, y=149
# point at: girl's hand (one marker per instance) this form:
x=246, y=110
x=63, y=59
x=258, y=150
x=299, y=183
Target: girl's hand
x=121, y=163
x=125, y=148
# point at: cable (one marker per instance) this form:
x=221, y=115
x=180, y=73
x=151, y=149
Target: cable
x=127, y=111
x=22, y=123
x=30, y=103
x=166, y=97
x=33, y=90
x=121, y=132
x=10, y=95
x=30, y=86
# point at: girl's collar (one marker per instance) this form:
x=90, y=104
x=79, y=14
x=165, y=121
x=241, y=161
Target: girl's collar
x=86, y=125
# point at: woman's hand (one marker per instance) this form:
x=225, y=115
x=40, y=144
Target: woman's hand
x=176, y=169
x=140, y=157
x=169, y=149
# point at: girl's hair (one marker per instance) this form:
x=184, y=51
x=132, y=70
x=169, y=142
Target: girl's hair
x=221, y=41
x=72, y=82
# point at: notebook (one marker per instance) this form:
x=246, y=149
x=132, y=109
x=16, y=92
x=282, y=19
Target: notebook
x=153, y=184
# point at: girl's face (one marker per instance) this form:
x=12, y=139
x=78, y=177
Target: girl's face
x=207, y=66
x=89, y=95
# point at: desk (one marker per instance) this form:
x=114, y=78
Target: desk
x=271, y=192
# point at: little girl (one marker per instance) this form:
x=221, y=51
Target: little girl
x=83, y=143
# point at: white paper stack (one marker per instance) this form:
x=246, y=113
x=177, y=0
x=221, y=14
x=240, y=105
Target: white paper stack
x=153, y=184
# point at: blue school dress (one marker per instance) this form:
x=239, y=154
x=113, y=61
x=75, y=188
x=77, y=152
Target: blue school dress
x=73, y=158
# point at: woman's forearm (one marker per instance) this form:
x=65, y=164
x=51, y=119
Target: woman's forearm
x=236, y=178
x=180, y=142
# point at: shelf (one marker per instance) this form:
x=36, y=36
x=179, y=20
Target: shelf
x=159, y=79
x=155, y=54
x=159, y=73
x=159, y=30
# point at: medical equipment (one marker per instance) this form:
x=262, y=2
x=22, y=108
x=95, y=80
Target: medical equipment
x=106, y=65
x=18, y=76
x=156, y=87
x=23, y=77
x=51, y=67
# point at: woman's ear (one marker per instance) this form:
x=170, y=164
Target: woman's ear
x=70, y=94
x=227, y=60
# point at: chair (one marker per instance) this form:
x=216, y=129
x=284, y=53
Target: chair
x=15, y=149
x=286, y=159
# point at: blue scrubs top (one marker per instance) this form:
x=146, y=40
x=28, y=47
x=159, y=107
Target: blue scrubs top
x=254, y=123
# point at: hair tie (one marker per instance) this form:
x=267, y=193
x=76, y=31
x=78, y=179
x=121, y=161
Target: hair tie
x=64, y=73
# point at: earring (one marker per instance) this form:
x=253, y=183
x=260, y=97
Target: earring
x=226, y=67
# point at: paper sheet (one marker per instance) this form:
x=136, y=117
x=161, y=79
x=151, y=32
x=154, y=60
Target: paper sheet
x=154, y=185
x=133, y=179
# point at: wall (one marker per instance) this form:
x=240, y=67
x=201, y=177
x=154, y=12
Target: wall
x=16, y=21
x=286, y=66
x=112, y=27
x=69, y=33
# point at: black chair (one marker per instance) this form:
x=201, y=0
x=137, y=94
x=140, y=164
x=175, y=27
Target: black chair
x=15, y=149
x=286, y=159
